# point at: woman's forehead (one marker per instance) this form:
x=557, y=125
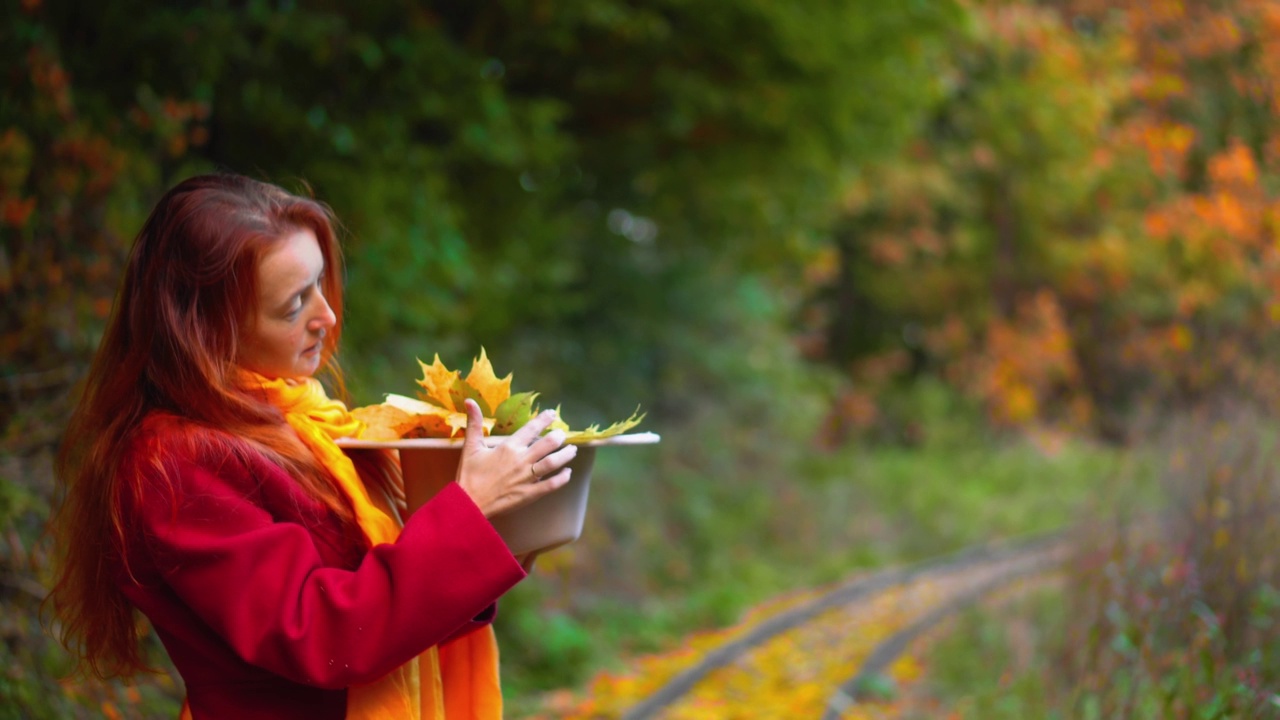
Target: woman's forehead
x=291, y=264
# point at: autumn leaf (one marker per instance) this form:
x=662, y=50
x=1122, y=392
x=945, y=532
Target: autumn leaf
x=413, y=406
x=461, y=391
x=425, y=426
x=436, y=383
x=514, y=412
x=439, y=412
x=486, y=382
x=593, y=432
x=381, y=421
x=558, y=423
x=428, y=420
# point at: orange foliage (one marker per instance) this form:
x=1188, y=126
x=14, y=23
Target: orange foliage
x=1030, y=362
x=1234, y=167
x=1165, y=143
x=60, y=173
x=1165, y=276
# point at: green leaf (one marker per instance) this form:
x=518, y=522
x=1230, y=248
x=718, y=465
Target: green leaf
x=513, y=412
x=461, y=390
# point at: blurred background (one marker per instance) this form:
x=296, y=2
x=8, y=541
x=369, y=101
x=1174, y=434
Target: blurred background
x=889, y=278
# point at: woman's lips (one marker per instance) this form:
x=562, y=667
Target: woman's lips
x=315, y=347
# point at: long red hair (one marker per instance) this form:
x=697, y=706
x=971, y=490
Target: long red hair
x=189, y=289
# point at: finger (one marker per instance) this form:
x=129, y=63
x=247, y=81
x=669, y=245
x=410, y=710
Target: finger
x=554, y=482
x=547, y=444
x=532, y=429
x=475, y=427
x=555, y=461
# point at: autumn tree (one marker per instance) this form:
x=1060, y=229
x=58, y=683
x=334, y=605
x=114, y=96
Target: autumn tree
x=954, y=253
x=1085, y=227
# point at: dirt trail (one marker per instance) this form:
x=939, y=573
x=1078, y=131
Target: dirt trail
x=812, y=655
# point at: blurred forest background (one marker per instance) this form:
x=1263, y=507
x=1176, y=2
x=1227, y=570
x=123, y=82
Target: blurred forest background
x=889, y=278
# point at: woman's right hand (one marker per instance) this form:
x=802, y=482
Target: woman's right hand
x=522, y=469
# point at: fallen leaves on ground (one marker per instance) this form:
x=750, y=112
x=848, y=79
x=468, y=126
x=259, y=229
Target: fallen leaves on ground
x=795, y=673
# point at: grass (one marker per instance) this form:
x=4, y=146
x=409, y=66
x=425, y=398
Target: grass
x=938, y=498
x=1007, y=665
x=967, y=667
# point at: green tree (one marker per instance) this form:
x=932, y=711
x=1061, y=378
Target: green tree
x=612, y=197
x=508, y=170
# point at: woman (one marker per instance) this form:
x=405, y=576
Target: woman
x=203, y=488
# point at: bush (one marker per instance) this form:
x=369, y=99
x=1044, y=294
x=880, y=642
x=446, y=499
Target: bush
x=1167, y=609
x=1174, y=614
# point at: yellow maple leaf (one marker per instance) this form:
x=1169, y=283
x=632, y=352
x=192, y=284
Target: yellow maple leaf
x=486, y=382
x=381, y=422
x=436, y=382
x=438, y=412
x=426, y=426
x=593, y=432
x=424, y=420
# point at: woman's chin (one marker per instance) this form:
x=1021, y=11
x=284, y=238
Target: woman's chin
x=308, y=364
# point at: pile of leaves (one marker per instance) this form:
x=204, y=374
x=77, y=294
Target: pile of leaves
x=438, y=411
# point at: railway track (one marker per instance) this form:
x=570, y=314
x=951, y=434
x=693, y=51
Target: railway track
x=815, y=657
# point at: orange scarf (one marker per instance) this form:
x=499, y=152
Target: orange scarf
x=454, y=681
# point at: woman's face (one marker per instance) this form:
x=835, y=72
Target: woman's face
x=284, y=338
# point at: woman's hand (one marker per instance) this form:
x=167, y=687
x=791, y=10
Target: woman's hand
x=522, y=469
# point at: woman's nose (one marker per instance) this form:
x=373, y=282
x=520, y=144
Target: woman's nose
x=325, y=317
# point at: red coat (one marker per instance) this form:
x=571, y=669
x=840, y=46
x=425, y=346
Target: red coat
x=264, y=608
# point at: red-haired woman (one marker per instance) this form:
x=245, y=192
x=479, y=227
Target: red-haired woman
x=204, y=489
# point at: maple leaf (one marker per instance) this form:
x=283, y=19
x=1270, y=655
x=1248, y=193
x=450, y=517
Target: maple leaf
x=427, y=420
x=437, y=380
x=486, y=382
x=461, y=390
x=513, y=412
x=559, y=423
x=439, y=411
x=593, y=432
x=414, y=406
x=425, y=426
x=381, y=422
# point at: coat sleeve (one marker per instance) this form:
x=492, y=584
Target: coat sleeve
x=261, y=584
